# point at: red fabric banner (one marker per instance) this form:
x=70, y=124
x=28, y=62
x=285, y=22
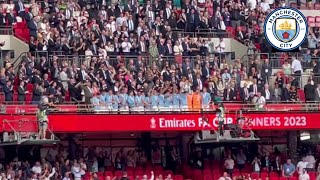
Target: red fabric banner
x=160, y=122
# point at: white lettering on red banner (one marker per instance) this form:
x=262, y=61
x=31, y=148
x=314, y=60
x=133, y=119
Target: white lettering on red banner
x=176, y=123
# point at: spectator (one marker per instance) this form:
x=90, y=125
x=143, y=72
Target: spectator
x=225, y=176
x=229, y=165
x=256, y=164
x=304, y=175
x=241, y=159
x=288, y=169
x=309, y=91
x=301, y=166
x=311, y=161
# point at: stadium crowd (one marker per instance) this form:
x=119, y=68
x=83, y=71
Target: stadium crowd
x=56, y=163
x=170, y=70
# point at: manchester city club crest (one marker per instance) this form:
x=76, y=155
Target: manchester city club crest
x=286, y=28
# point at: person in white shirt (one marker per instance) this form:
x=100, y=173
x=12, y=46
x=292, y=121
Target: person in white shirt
x=301, y=166
x=260, y=101
x=126, y=46
x=252, y=4
x=37, y=168
x=311, y=162
x=77, y=171
x=229, y=165
x=304, y=175
x=265, y=6
x=296, y=67
x=221, y=46
x=225, y=176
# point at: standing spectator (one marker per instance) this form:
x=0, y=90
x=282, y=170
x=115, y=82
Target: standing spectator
x=241, y=159
x=311, y=161
x=296, y=68
x=266, y=71
x=316, y=72
x=309, y=91
x=256, y=164
x=301, y=166
x=229, y=165
x=8, y=91
x=288, y=169
x=22, y=92
x=317, y=93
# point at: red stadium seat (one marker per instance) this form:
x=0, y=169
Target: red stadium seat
x=178, y=177
x=312, y=24
x=207, y=177
x=118, y=173
x=15, y=97
x=207, y=172
x=26, y=34
x=255, y=175
x=264, y=175
x=108, y=173
x=311, y=19
x=168, y=172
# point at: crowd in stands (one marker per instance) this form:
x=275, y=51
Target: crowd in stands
x=170, y=71
x=98, y=164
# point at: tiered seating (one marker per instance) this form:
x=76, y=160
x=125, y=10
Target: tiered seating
x=138, y=171
x=21, y=31
x=314, y=21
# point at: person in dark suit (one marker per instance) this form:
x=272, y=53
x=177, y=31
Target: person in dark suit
x=309, y=91
x=19, y=8
x=168, y=48
x=11, y=17
x=316, y=72
x=266, y=92
x=161, y=48
x=244, y=93
x=8, y=91
x=205, y=71
x=286, y=93
x=37, y=93
x=33, y=27
x=266, y=71
x=317, y=93
x=2, y=20
x=22, y=92
x=74, y=90
x=229, y=94
x=192, y=21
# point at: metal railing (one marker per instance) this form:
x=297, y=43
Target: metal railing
x=5, y=30
x=270, y=107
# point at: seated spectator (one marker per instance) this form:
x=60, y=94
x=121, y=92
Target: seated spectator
x=293, y=94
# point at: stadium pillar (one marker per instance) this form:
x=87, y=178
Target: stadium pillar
x=146, y=143
x=292, y=144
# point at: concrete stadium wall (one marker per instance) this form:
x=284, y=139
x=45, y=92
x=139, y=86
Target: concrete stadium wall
x=13, y=43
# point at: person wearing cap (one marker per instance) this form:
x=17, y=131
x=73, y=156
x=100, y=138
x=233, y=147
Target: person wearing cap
x=42, y=116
